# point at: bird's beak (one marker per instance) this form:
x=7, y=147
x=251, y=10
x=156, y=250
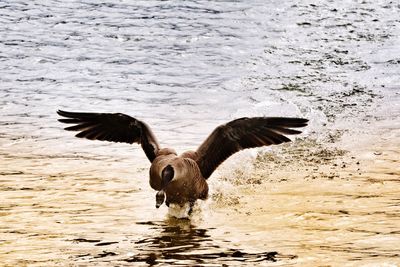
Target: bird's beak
x=160, y=197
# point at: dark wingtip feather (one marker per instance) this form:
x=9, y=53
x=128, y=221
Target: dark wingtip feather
x=78, y=127
x=301, y=122
x=65, y=113
x=70, y=120
x=81, y=115
x=294, y=122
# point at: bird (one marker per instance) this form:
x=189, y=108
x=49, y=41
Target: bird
x=182, y=179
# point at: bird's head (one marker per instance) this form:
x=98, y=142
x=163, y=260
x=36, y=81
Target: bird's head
x=167, y=175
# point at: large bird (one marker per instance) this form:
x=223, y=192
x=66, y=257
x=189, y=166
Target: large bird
x=182, y=179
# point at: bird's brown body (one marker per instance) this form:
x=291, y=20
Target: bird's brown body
x=183, y=179
x=187, y=184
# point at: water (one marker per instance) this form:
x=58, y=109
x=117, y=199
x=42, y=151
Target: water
x=329, y=198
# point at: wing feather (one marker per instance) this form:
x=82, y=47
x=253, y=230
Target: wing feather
x=243, y=133
x=113, y=127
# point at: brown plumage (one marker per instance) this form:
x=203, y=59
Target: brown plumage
x=182, y=179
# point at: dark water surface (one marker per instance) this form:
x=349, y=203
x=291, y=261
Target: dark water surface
x=329, y=198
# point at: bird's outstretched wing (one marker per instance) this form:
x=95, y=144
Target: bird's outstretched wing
x=243, y=133
x=113, y=127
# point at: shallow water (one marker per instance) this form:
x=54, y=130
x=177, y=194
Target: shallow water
x=329, y=198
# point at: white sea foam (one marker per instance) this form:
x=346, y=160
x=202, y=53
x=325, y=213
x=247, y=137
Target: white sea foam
x=178, y=211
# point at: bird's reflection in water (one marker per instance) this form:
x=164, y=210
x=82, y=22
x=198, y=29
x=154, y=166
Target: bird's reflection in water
x=180, y=242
